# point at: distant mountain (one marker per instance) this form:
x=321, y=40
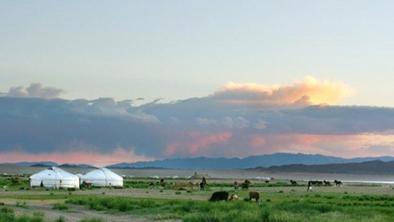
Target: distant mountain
x=50, y=164
x=369, y=167
x=69, y=165
x=37, y=164
x=276, y=159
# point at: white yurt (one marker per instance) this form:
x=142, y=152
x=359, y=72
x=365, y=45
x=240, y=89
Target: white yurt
x=54, y=177
x=79, y=177
x=103, y=177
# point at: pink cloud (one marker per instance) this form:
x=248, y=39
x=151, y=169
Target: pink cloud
x=310, y=91
x=197, y=143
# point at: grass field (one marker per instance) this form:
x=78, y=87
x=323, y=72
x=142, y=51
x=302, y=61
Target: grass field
x=181, y=200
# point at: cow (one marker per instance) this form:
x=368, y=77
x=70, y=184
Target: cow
x=219, y=196
x=245, y=184
x=234, y=197
x=254, y=195
x=236, y=185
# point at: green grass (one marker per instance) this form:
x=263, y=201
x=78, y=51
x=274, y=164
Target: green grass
x=92, y=220
x=60, y=206
x=14, y=183
x=8, y=215
x=182, y=185
x=281, y=207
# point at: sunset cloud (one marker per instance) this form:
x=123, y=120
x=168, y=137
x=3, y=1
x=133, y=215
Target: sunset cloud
x=310, y=91
x=238, y=120
x=197, y=143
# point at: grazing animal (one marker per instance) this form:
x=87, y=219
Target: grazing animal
x=327, y=183
x=254, y=195
x=236, y=185
x=219, y=196
x=203, y=183
x=337, y=182
x=293, y=182
x=234, y=197
x=162, y=183
x=316, y=182
x=245, y=184
x=309, y=186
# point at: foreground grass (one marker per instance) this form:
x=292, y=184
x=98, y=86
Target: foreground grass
x=8, y=215
x=280, y=207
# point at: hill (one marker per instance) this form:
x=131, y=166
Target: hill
x=369, y=167
x=269, y=160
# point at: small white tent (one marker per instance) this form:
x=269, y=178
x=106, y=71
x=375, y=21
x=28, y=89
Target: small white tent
x=54, y=177
x=103, y=177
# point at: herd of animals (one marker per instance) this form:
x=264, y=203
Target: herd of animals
x=255, y=196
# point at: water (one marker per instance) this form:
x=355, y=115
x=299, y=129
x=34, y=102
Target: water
x=220, y=174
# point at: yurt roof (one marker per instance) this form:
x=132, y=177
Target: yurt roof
x=102, y=173
x=53, y=173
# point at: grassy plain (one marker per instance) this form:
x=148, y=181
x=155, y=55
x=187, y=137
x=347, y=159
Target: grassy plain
x=145, y=199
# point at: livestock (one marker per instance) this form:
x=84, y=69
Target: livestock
x=234, y=197
x=254, y=195
x=219, y=196
x=338, y=182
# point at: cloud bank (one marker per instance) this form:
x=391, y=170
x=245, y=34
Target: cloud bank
x=237, y=120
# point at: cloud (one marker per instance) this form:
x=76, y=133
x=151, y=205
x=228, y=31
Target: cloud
x=109, y=107
x=35, y=90
x=237, y=120
x=197, y=143
x=308, y=92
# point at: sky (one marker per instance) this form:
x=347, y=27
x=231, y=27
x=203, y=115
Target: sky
x=178, y=49
x=232, y=78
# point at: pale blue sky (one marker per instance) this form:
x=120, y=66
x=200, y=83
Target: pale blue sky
x=181, y=49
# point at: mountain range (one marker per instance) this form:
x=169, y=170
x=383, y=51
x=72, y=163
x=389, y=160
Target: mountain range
x=369, y=167
x=51, y=164
x=262, y=161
